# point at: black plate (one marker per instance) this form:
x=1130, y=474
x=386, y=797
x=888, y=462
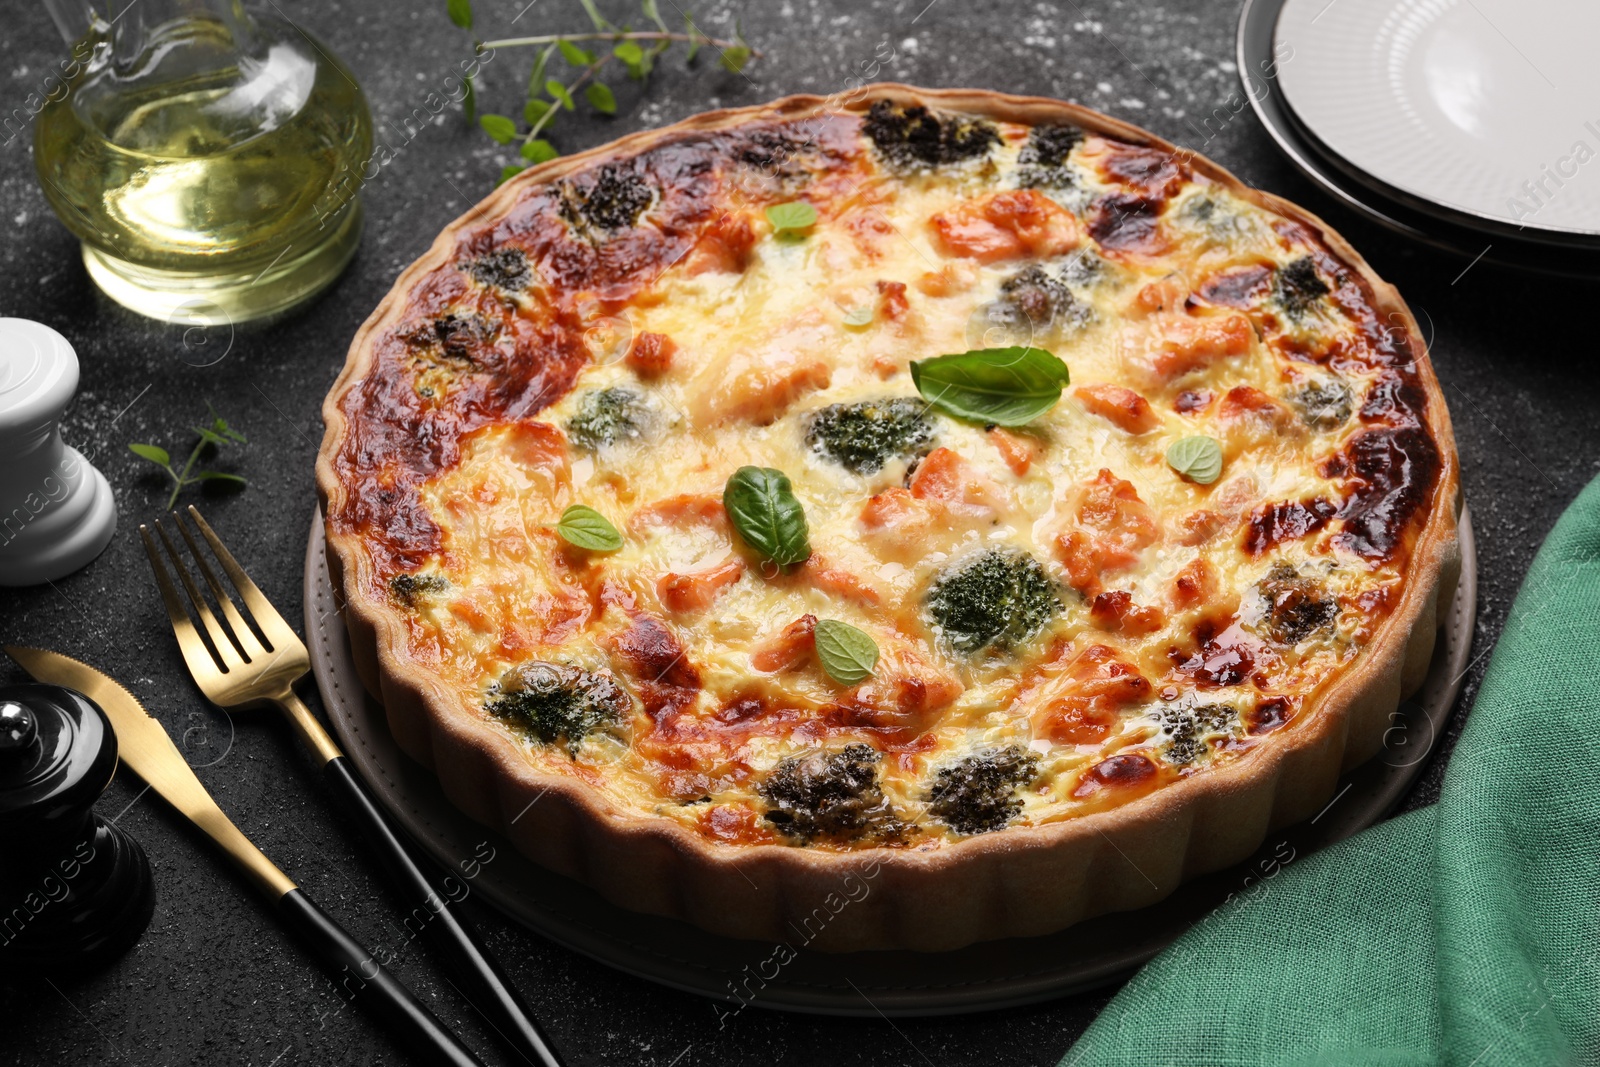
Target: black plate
x=995, y=974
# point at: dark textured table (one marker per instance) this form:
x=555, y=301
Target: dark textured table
x=214, y=980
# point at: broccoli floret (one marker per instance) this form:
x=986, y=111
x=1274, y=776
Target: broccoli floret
x=1044, y=300
x=1297, y=607
x=863, y=436
x=829, y=794
x=459, y=335
x=505, y=269
x=1325, y=404
x=1187, y=725
x=1042, y=163
x=409, y=589
x=613, y=201
x=912, y=135
x=1298, y=287
x=554, y=702
x=606, y=416
x=995, y=599
x=977, y=793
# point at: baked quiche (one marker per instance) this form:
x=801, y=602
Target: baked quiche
x=965, y=492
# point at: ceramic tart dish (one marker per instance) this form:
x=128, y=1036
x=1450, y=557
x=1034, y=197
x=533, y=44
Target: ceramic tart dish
x=1104, y=664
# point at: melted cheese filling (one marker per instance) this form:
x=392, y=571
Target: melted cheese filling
x=835, y=316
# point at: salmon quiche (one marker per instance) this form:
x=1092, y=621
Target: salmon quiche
x=964, y=496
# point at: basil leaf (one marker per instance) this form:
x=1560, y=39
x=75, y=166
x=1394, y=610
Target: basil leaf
x=1003, y=386
x=847, y=654
x=153, y=453
x=587, y=528
x=499, y=127
x=791, y=216
x=601, y=98
x=761, y=504
x=1198, y=459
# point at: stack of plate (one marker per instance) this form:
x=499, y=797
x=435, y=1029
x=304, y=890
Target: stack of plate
x=1473, y=125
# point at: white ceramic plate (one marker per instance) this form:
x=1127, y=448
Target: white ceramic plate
x=1488, y=107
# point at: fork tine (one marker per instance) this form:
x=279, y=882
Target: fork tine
x=223, y=641
x=196, y=653
x=266, y=616
x=245, y=636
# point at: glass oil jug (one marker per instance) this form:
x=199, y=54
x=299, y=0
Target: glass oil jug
x=209, y=157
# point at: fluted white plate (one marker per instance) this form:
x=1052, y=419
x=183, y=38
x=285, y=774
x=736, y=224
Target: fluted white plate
x=1488, y=107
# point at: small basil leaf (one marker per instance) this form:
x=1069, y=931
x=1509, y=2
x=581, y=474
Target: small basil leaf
x=791, y=216
x=499, y=127
x=1003, y=386
x=587, y=528
x=601, y=98
x=1198, y=459
x=153, y=453
x=846, y=653
x=538, y=151
x=761, y=505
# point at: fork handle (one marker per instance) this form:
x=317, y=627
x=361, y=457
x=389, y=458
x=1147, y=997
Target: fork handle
x=489, y=988
x=363, y=980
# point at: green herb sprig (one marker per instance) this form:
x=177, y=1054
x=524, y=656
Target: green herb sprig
x=636, y=50
x=848, y=655
x=218, y=435
x=994, y=386
x=762, y=507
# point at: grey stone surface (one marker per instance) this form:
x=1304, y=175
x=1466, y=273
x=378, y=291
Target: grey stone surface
x=214, y=980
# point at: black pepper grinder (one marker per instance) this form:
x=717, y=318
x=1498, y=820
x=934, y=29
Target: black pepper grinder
x=74, y=889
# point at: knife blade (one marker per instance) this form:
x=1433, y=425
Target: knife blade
x=144, y=745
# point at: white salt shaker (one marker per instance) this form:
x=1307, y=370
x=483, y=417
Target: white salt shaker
x=56, y=510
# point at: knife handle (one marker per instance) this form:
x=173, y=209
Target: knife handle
x=362, y=980
x=488, y=988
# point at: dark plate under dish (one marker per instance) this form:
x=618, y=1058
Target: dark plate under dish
x=995, y=974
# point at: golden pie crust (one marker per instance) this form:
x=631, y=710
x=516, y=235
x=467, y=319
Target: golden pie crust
x=472, y=358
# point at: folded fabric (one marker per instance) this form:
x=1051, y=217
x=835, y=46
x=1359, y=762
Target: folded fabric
x=1467, y=933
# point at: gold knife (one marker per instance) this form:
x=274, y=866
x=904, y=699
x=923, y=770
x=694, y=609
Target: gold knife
x=146, y=748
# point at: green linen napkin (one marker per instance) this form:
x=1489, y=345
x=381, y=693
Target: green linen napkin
x=1467, y=933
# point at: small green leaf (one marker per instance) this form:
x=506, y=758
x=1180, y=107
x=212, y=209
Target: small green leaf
x=460, y=12
x=601, y=98
x=559, y=92
x=210, y=437
x=695, y=37
x=219, y=476
x=535, y=109
x=153, y=453
x=539, y=151
x=629, y=52
x=792, y=216
x=847, y=654
x=595, y=17
x=499, y=127
x=998, y=386
x=735, y=58
x=859, y=317
x=1198, y=458
x=570, y=52
x=762, y=507
x=653, y=13
x=536, y=76
x=507, y=172
x=587, y=528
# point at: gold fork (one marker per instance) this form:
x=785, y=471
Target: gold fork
x=240, y=665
